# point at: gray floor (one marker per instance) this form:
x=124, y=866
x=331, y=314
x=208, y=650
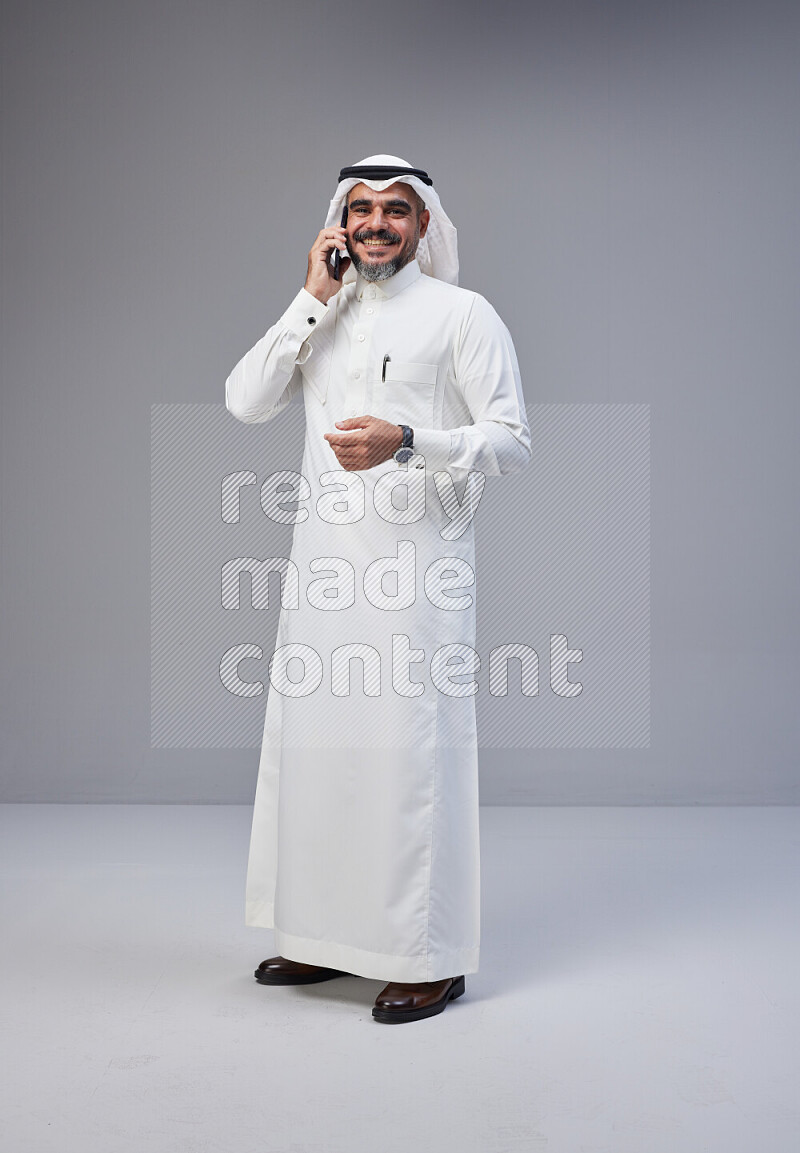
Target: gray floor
x=637, y=994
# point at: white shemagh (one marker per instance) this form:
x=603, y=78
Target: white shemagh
x=437, y=254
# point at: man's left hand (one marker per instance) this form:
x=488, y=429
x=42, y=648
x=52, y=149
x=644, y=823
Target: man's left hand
x=370, y=442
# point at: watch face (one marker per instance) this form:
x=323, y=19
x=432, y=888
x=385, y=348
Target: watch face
x=403, y=455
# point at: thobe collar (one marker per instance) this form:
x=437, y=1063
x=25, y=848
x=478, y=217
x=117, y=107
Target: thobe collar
x=385, y=289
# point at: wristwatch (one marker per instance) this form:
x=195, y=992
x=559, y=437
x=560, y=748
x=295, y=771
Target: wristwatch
x=406, y=450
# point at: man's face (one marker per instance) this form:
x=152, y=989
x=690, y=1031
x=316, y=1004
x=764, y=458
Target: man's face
x=383, y=229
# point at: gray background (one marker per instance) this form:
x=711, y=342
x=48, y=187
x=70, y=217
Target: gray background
x=624, y=178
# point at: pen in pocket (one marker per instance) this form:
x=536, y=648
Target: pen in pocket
x=386, y=360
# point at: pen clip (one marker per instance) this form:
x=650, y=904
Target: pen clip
x=386, y=360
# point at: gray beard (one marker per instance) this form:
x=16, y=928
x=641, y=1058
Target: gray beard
x=379, y=271
x=389, y=267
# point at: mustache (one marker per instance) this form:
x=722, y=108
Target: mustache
x=384, y=234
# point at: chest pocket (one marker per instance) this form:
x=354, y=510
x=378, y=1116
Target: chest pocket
x=406, y=395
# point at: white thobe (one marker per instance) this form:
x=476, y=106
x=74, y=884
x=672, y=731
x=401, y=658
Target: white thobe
x=364, y=853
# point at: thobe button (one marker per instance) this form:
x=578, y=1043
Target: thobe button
x=370, y=311
x=357, y=375
x=361, y=337
x=312, y=320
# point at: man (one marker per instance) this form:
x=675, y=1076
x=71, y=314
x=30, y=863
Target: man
x=364, y=855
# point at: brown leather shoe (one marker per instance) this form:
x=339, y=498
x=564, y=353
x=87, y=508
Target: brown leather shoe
x=282, y=971
x=411, y=1002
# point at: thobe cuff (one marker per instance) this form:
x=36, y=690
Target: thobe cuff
x=434, y=445
x=302, y=317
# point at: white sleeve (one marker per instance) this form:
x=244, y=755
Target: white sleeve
x=487, y=375
x=267, y=377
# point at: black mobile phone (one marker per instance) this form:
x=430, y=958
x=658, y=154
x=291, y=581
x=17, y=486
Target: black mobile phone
x=337, y=258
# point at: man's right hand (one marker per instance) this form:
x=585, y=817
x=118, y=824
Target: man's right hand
x=319, y=281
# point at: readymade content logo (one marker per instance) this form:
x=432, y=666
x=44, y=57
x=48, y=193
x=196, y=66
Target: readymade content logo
x=530, y=592
x=287, y=498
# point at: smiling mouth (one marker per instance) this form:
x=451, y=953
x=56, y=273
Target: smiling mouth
x=376, y=243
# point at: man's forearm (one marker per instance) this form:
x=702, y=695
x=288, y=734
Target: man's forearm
x=258, y=387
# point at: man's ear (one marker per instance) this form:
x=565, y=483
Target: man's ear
x=424, y=221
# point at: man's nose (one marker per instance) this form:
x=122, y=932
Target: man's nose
x=377, y=220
